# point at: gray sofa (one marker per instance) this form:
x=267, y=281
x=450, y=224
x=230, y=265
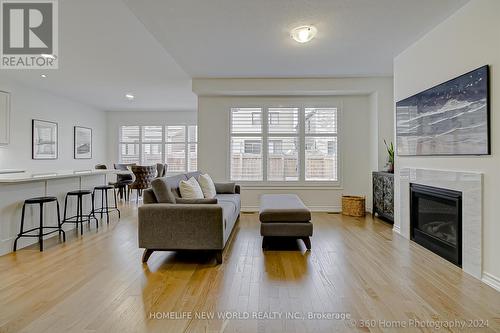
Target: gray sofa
x=204, y=224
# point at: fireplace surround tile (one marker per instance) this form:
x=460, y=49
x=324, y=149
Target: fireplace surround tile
x=470, y=184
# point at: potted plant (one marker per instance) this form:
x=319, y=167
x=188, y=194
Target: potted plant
x=390, y=159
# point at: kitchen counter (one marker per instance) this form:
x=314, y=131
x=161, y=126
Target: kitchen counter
x=18, y=177
x=15, y=187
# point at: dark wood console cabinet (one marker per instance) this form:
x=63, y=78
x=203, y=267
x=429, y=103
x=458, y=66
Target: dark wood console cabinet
x=383, y=195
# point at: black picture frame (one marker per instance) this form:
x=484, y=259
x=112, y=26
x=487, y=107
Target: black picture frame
x=461, y=148
x=77, y=149
x=36, y=144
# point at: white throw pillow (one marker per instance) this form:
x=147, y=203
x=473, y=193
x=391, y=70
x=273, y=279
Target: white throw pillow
x=207, y=186
x=190, y=189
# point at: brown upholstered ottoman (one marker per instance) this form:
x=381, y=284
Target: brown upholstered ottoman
x=284, y=215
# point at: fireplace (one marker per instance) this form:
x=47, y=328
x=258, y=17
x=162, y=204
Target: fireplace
x=436, y=221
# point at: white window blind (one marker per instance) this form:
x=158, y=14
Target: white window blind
x=283, y=144
x=129, y=144
x=152, y=142
x=275, y=143
x=176, y=145
x=321, y=144
x=246, y=144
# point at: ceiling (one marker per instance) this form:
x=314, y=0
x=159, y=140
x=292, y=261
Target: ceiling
x=153, y=48
x=105, y=53
x=250, y=38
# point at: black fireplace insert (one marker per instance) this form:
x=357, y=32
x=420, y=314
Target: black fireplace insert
x=436, y=221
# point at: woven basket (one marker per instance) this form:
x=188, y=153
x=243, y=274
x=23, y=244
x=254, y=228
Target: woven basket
x=353, y=205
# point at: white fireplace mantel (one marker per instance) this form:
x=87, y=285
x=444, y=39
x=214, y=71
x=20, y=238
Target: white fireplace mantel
x=470, y=184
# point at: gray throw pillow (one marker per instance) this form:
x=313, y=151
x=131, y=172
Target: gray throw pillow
x=196, y=201
x=225, y=188
x=162, y=191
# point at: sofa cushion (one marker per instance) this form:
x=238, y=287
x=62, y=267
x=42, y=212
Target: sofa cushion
x=283, y=208
x=190, y=189
x=173, y=182
x=149, y=197
x=233, y=199
x=196, y=201
x=162, y=191
x=207, y=186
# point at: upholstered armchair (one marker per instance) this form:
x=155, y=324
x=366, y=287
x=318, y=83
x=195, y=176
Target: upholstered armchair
x=122, y=181
x=161, y=169
x=143, y=177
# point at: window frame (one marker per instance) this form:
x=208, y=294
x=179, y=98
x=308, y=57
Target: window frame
x=141, y=142
x=301, y=135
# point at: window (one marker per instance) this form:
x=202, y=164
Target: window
x=176, y=145
x=129, y=144
x=283, y=144
x=246, y=144
x=321, y=144
x=152, y=139
x=292, y=139
x=175, y=148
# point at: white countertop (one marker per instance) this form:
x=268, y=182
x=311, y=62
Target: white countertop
x=19, y=177
x=3, y=171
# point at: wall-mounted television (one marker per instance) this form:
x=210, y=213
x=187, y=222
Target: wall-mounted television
x=452, y=118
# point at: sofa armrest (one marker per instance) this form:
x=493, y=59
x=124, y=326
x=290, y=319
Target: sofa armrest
x=227, y=188
x=181, y=227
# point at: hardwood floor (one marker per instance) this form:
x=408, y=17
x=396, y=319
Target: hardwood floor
x=357, y=268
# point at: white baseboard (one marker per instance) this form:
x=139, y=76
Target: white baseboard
x=327, y=209
x=396, y=229
x=491, y=281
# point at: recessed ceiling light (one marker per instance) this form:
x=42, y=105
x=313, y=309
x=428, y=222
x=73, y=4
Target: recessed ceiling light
x=130, y=97
x=303, y=34
x=47, y=56
x=44, y=75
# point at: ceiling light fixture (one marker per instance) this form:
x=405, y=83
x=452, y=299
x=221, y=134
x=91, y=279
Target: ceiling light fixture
x=130, y=97
x=303, y=34
x=44, y=75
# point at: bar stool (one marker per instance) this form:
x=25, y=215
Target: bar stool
x=79, y=218
x=24, y=233
x=105, y=208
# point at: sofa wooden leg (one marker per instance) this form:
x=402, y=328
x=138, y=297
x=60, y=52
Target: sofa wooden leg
x=218, y=257
x=147, y=253
x=307, y=242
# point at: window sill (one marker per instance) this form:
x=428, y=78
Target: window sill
x=293, y=186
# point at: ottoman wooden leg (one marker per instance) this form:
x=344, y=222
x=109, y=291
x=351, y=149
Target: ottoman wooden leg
x=264, y=242
x=307, y=242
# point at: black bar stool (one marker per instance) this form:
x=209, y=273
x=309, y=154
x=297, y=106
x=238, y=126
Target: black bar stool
x=24, y=233
x=105, y=208
x=79, y=218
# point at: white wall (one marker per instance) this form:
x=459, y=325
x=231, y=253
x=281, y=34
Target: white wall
x=465, y=41
x=360, y=101
x=28, y=103
x=115, y=119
